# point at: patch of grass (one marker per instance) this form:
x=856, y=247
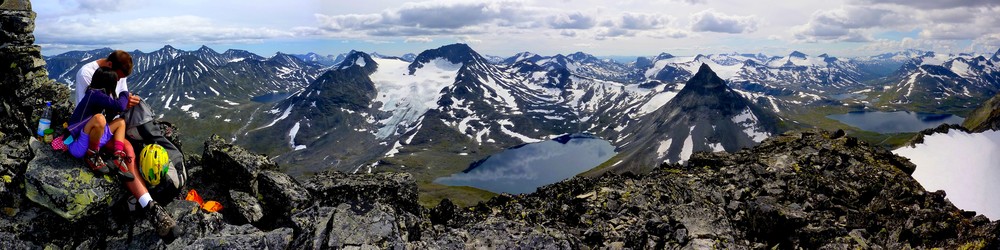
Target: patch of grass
x=463, y=196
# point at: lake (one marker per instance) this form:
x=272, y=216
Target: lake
x=524, y=168
x=271, y=97
x=896, y=121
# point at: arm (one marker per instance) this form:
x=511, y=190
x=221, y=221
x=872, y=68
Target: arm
x=105, y=101
x=83, y=77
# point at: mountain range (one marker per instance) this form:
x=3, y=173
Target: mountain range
x=451, y=106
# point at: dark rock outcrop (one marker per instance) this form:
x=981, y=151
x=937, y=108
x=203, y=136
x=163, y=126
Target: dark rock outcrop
x=234, y=165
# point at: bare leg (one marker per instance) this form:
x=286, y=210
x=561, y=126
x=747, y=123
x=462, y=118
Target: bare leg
x=117, y=127
x=95, y=129
x=136, y=186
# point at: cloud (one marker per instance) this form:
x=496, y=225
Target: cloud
x=431, y=18
x=640, y=21
x=712, y=21
x=421, y=39
x=469, y=39
x=100, y=6
x=933, y=4
x=575, y=20
x=849, y=23
x=175, y=29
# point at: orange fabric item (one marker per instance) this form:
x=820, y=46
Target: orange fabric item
x=193, y=196
x=211, y=206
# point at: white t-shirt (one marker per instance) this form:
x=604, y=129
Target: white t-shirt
x=86, y=74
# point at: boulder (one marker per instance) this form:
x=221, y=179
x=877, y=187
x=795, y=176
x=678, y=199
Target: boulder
x=364, y=225
x=244, y=207
x=397, y=189
x=63, y=184
x=234, y=165
x=280, y=194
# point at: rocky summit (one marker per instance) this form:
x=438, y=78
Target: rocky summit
x=804, y=189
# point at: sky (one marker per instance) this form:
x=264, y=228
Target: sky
x=504, y=27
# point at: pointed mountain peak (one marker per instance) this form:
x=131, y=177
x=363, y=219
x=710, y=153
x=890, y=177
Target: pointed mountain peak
x=704, y=82
x=168, y=48
x=358, y=58
x=824, y=55
x=797, y=54
x=996, y=56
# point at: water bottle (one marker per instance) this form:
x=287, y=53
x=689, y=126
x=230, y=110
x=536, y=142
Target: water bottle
x=46, y=120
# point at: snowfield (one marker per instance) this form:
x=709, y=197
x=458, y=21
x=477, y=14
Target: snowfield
x=407, y=96
x=966, y=166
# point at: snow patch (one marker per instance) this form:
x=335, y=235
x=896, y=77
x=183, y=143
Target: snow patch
x=966, y=166
x=282, y=117
x=291, y=137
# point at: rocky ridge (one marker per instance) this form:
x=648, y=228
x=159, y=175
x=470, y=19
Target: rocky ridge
x=986, y=117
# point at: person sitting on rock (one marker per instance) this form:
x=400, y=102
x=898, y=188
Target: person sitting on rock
x=89, y=125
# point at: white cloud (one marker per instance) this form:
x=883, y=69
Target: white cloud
x=641, y=21
x=933, y=4
x=574, y=20
x=712, y=21
x=421, y=39
x=174, y=29
x=469, y=39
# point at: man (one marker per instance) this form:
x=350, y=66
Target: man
x=118, y=60
x=121, y=63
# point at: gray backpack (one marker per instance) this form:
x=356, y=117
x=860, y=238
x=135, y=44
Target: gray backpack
x=142, y=130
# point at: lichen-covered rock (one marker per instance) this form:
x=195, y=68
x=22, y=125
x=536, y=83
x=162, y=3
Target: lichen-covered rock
x=234, y=165
x=244, y=207
x=61, y=183
x=398, y=189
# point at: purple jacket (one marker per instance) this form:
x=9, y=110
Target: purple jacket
x=94, y=102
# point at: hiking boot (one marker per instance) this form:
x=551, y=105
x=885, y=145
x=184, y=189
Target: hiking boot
x=94, y=162
x=121, y=160
x=162, y=222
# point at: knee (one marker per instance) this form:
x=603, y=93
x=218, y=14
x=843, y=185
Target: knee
x=99, y=119
x=118, y=122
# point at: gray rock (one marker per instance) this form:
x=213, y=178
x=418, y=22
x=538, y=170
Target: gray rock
x=398, y=189
x=312, y=225
x=364, y=226
x=234, y=165
x=280, y=194
x=244, y=207
x=63, y=184
x=244, y=237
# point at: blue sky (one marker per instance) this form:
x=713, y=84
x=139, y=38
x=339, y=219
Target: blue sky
x=505, y=27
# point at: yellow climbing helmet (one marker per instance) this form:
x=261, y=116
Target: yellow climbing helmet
x=154, y=163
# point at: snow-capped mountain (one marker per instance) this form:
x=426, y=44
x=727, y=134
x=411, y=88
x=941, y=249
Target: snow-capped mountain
x=943, y=81
x=450, y=98
x=326, y=61
x=580, y=64
x=706, y=115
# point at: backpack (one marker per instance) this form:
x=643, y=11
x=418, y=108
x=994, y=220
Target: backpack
x=141, y=130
